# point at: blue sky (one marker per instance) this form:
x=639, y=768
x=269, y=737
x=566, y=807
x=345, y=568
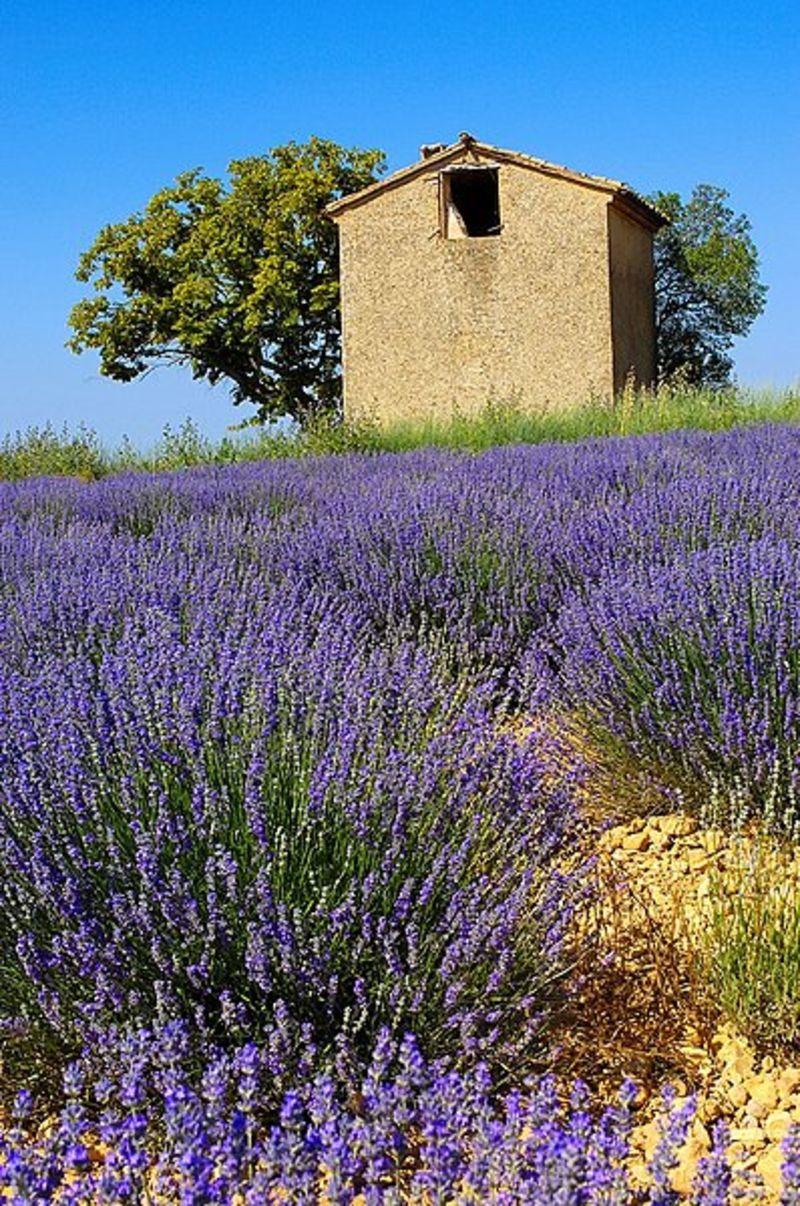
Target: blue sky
x=101, y=104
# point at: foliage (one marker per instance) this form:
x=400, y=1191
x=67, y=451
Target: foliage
x=707, y=286
x=238, y=281
x=45, y=451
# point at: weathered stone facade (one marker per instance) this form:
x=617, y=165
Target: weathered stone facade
x=553, y=307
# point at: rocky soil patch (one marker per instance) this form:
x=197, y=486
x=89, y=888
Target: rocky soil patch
x=655, y=884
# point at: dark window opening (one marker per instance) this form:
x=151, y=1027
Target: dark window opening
x=471, y=202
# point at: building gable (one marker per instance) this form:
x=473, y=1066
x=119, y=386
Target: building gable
x=469, y=150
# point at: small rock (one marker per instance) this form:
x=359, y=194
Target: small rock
x=646, y=1138
x=684, y=1173
x=700, y=1133
x=713, y=841
x=709, y=1109
x=788, y=1082
x=639, y=1173
x=769, y=1168
x=697, y=859
x=676, y=824
x=763, y=1090
x=614, y=835
x=737, y=1059
x=777, y=1124
x=636, y=841
x=750, y=1136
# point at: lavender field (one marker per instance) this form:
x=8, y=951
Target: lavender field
x=287, y=878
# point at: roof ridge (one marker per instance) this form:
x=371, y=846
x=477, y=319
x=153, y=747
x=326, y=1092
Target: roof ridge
x=466, y=143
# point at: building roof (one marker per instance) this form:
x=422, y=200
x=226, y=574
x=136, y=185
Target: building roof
x=624, y=196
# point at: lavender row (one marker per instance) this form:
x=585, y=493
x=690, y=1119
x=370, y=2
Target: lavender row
x=411, y=1132
x=555, y=569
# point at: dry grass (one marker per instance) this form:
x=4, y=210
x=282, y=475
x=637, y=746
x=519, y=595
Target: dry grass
x=639, y=1006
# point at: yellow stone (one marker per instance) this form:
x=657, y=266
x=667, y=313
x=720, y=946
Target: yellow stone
x=736, y=1057
x=645, y=1138
x=636, y=841
x=639, y=1173
x=711, y=1108
x=700, y=1133
x=676, y=824
x=763, y=1090
x=788, y=1082
x=769, y=1167
x=615, y=835
x=750, y=1136
x=777, y=1124
x=684, y=1173
x=712, y=841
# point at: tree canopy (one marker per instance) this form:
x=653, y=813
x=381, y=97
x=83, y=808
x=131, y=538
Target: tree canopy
x=707, y=283
x=239, y=281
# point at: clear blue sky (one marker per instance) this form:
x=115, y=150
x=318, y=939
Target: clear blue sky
x=103, y=103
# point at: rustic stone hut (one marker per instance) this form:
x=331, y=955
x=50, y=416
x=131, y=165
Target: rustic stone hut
x=479, y=275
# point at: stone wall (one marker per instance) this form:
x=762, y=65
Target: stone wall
x=630, y=249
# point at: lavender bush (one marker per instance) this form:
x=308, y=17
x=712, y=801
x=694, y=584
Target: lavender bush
x=300, y=862
x=693, y=668
x=224, y=800
x=414, y=1132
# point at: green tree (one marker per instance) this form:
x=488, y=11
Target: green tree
x=707, y=285
x=238, y=281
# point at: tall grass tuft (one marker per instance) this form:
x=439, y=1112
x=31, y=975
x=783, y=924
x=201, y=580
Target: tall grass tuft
x=750, y=944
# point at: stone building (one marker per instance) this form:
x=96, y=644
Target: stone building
x=479, y=275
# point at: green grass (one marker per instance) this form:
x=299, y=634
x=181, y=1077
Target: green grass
x=750, y=946
x=80, y=453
